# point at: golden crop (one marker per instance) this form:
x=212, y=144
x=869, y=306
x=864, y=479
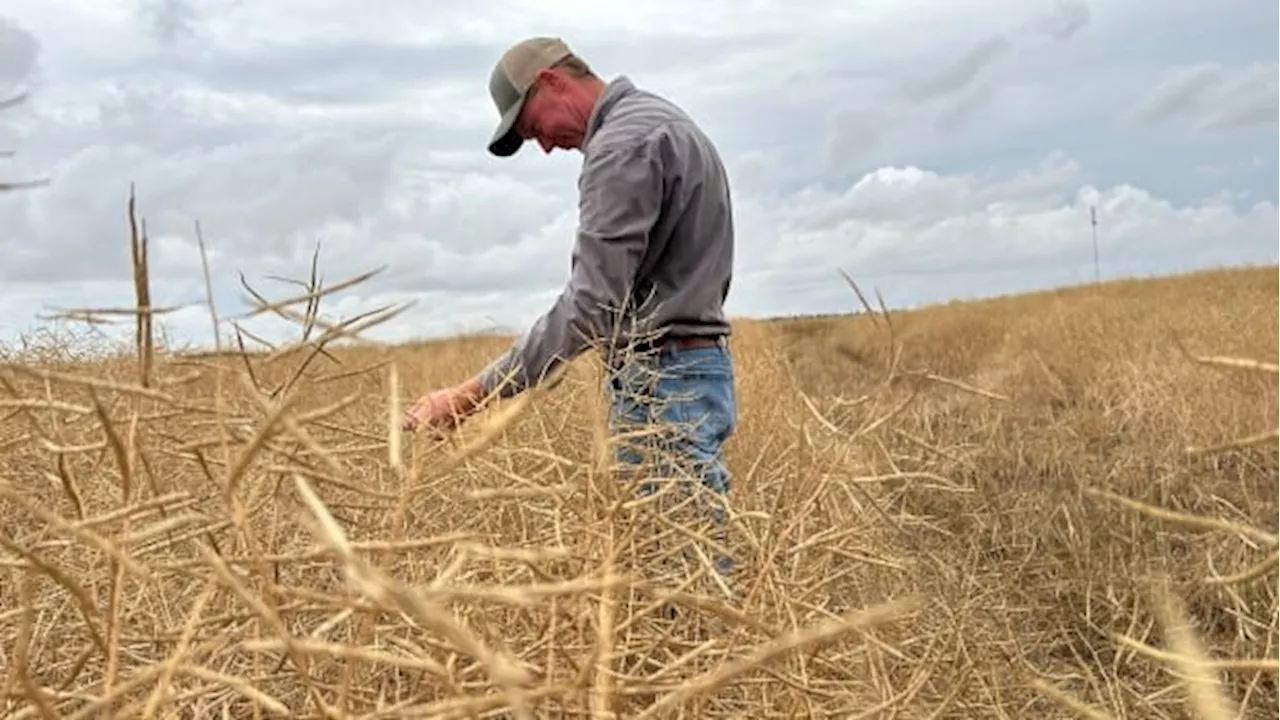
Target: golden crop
x=1037, y=506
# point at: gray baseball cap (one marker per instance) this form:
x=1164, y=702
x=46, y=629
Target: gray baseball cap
x=510, y=82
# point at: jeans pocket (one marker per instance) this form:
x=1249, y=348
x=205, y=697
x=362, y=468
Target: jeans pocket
x=703, y=405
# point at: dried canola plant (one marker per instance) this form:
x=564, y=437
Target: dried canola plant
x=12, y=185
x=979, y=510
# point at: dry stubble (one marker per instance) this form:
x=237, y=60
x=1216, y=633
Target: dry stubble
x=982, y=510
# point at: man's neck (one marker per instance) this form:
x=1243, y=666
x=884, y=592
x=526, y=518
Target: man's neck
x=609, y=93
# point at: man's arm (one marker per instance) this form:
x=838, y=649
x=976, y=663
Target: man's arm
x=620, y=199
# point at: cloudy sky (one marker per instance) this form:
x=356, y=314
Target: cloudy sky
x=933, y=151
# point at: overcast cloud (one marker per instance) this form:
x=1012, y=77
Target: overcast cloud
x=931, y=151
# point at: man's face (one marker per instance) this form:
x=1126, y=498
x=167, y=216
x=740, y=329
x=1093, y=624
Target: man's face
x=553, y=114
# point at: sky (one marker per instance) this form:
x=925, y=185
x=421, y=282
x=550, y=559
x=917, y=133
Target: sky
x=931, y=151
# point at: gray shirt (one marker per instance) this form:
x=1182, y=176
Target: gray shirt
x=654, y=251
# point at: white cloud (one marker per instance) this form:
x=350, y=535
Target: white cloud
x=932, y=151
x=1211, y=96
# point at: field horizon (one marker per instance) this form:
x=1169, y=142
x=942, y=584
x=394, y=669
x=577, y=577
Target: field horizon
x=1046, y=505
x=102, y=347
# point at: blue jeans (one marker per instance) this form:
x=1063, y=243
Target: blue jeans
x=682, y=402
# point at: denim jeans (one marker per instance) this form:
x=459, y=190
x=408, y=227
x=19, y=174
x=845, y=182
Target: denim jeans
x=681, y=404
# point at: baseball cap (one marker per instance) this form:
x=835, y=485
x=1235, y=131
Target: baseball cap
x=510, y=82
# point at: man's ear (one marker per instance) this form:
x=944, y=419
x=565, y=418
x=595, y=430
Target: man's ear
x=549, y=78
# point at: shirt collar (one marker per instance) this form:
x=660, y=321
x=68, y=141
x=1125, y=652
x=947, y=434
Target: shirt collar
x=614, y=91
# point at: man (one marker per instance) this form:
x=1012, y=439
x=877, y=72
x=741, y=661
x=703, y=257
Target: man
x=650, y=269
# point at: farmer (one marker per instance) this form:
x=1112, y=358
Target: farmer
x=650, y=269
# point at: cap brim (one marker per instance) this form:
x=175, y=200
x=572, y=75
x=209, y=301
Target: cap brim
x=506, y=141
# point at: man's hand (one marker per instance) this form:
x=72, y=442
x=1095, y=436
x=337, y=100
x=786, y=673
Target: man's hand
x=443, y=408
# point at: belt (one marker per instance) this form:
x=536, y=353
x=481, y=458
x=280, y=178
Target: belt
x=691, y=342
x=681, y=342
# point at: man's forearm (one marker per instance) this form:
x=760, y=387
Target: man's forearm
x=500, y=375
x=552, y=339
x=470, y=393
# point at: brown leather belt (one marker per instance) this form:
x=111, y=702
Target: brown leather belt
x=680, y=342
x=691, y=342
x=685, y=342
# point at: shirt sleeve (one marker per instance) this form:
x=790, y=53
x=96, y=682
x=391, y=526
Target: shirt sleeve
x=620, y=199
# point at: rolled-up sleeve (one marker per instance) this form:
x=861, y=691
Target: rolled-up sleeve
x=620, y=200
